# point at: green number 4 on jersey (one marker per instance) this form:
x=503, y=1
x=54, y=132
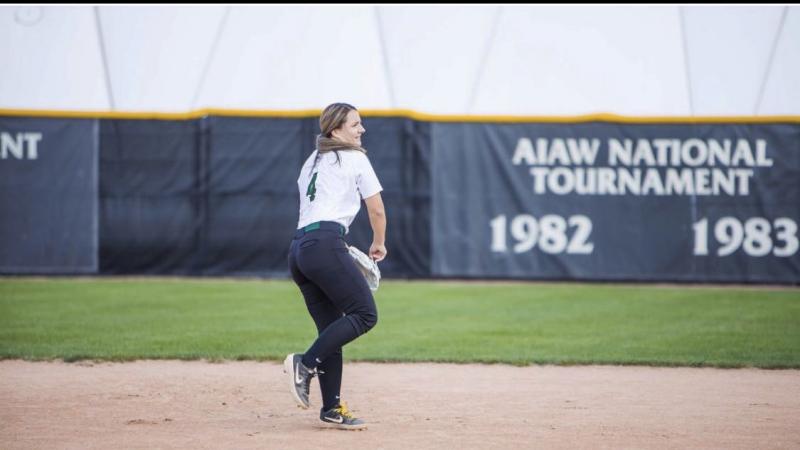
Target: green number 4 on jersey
x=312, y=187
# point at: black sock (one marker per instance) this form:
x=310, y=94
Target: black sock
x=330, y=382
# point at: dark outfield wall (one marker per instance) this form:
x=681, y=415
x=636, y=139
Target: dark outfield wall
x=576, y=201
x=218, y=196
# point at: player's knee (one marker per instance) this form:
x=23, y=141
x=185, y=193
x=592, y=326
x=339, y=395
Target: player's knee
x=370, y=319
x=367, y=318
x=363, y=320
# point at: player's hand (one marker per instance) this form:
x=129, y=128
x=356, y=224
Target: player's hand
x=377, y=252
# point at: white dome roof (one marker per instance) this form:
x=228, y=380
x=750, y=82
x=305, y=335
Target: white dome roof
x=646, y=60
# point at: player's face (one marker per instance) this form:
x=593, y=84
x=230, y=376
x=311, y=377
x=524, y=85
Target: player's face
x=351, y=130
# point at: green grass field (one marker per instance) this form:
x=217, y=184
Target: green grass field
x=516, y=323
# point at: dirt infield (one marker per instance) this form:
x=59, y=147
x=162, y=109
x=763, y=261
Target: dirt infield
x=242, y=405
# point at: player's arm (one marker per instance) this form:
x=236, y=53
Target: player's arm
x=377, y=219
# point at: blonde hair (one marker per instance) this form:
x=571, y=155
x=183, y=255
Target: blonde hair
x=332, y=118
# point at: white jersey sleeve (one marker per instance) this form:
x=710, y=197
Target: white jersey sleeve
x=366, y=179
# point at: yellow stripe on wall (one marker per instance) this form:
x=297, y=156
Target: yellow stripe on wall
x=306, y=113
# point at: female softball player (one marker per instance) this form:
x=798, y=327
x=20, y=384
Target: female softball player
x=332, y=183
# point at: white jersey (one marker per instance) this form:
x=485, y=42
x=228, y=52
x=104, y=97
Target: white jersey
x=332, y=190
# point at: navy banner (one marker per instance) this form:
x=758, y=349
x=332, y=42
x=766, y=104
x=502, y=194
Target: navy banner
x=48, y=195
x=603, y=201
x=217, y=195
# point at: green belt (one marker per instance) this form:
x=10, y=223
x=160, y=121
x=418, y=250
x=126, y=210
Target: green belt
x=318, y=225
x=312, y=227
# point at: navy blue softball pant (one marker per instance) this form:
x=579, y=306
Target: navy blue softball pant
x=337, y=297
